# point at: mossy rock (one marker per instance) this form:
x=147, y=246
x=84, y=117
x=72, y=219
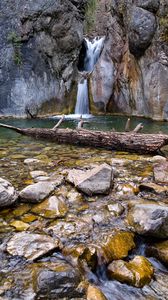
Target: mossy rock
x=94, y=293
x=138, y=272
x=51, y=208
x=117, y=245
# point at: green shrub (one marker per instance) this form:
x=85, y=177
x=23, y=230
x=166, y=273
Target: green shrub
x=90, y=14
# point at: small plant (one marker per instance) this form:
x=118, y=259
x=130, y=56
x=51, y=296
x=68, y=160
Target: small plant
x=164, y=28
x=90, y=14
x=14, y=39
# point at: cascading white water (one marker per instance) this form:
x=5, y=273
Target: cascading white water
x=93, y=52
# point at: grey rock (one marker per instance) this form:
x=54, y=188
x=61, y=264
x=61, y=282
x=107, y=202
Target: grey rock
x=154, y=188
x=161, y=172
x=35, y=174
x=115, y=209
x=149, y=219
x=37, y=192
x=31, y=246
x=91, y=182
x=31, y=161
x=142, y=28
x=151, y=5
x=55, y=279
x=8, y=194
x=39, y=46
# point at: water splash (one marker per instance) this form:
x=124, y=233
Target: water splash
x=93, y=52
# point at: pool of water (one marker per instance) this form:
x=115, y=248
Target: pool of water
x=105, y=123
x=14, y=149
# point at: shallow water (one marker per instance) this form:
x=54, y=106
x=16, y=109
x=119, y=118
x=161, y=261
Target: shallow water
x=14, y=149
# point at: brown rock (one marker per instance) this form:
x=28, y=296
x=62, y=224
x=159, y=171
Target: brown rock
x=137, y=272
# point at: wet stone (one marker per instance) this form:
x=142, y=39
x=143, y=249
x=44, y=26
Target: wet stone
x=31, y=161
x=116, y=245
x=8, y=194
x=19, y=225
x=154, y=188
x=161, y=172
x=94, y=293
x=116, y=209
x=137, y=272
x=31, y=246
x=149, y=219
x=35, y=174
x=37, y=192
x=51, y=208
x=71, y=228
x=159, y=250
x=95, y=181
x=45, y=280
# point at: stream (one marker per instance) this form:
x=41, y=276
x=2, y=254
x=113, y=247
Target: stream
x=65, y=273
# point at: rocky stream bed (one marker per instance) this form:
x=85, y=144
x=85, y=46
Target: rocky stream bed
x=80, y=223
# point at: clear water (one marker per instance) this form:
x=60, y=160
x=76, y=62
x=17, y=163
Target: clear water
x=14, y=148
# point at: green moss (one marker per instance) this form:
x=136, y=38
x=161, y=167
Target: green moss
x=164, y=28
x=90, y=14
x=15, y=40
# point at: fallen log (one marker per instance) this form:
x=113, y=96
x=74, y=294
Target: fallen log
x=120, y=141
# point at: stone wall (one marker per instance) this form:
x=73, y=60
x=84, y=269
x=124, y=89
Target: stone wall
x=132, y=74
x=39, y=47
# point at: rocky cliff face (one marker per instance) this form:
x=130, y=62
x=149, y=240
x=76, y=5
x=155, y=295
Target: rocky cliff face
x=39, y=47
x=131, y=76
x=40, y=42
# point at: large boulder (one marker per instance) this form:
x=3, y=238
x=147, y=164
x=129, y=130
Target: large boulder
x=8, y=194
x=149, y=219
x=52, y=280
x=91, y=182
x=142, y=28
x=31, y=246
x=37, y=192
x=137, y=272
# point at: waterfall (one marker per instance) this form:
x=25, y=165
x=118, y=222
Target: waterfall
x=93, y=51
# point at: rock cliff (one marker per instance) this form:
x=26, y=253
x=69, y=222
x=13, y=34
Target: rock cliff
x=39, y=47
x=40, y=44
x=131, y=76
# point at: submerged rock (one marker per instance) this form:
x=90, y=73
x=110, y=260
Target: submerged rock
x=160, y=251
x=161, y=172
x=94, y=293
x=31, y=161
x=138, y=272
x=35, y=174
x=115, y=209
x=37, y=192
x=51, y=208
x=149, y=219
x=8, y=195
x=45, y=280
x=83, y=252
x=19, y=225
x=154, y=188
x=95, y=181
x=117, y=245
x=31, y=246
